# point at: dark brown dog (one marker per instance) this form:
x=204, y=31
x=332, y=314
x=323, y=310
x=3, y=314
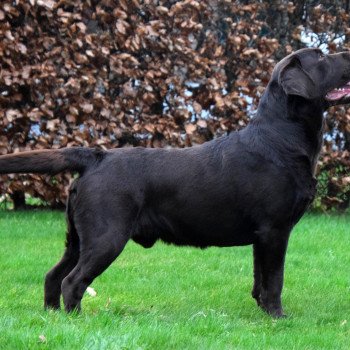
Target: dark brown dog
x=250, y=187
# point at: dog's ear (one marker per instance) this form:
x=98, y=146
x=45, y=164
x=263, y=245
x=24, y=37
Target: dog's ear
x=295, y=81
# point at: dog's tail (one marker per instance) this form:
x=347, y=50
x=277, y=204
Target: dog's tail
x=51, y=161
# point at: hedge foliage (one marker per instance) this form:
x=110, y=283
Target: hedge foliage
x=153, y=73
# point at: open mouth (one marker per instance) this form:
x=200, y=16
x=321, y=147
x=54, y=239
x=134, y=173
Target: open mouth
x=339, y=93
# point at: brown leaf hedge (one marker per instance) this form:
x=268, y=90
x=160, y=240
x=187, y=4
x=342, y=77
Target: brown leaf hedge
x=153, y=73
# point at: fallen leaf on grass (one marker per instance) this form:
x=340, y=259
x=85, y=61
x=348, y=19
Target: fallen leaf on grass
x=42, y=338
x=91, y=291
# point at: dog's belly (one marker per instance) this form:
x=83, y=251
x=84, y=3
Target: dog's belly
x=203, y=232
x=217, y=239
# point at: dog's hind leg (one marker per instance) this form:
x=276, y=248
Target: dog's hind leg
x=96, y=254
x=56, y=275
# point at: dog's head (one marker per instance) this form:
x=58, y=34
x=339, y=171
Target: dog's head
x=313, y=75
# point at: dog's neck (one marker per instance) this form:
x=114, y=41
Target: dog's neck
x=291, y=116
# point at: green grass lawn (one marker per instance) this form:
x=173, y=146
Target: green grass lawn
x=176, y=298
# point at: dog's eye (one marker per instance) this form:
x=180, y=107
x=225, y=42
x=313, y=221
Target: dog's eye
x=320, y=54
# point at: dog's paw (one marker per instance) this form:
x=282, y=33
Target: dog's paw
x=273, y=311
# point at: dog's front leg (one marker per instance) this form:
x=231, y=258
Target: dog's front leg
x=269, y=256
x=257, y=275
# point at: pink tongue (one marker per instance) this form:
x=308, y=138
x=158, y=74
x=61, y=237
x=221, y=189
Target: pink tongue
x=338, y=94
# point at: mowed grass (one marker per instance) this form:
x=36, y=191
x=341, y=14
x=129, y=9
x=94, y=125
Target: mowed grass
x=176, y=298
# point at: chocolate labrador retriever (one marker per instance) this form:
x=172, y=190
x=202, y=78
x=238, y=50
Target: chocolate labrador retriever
x=250, y=187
